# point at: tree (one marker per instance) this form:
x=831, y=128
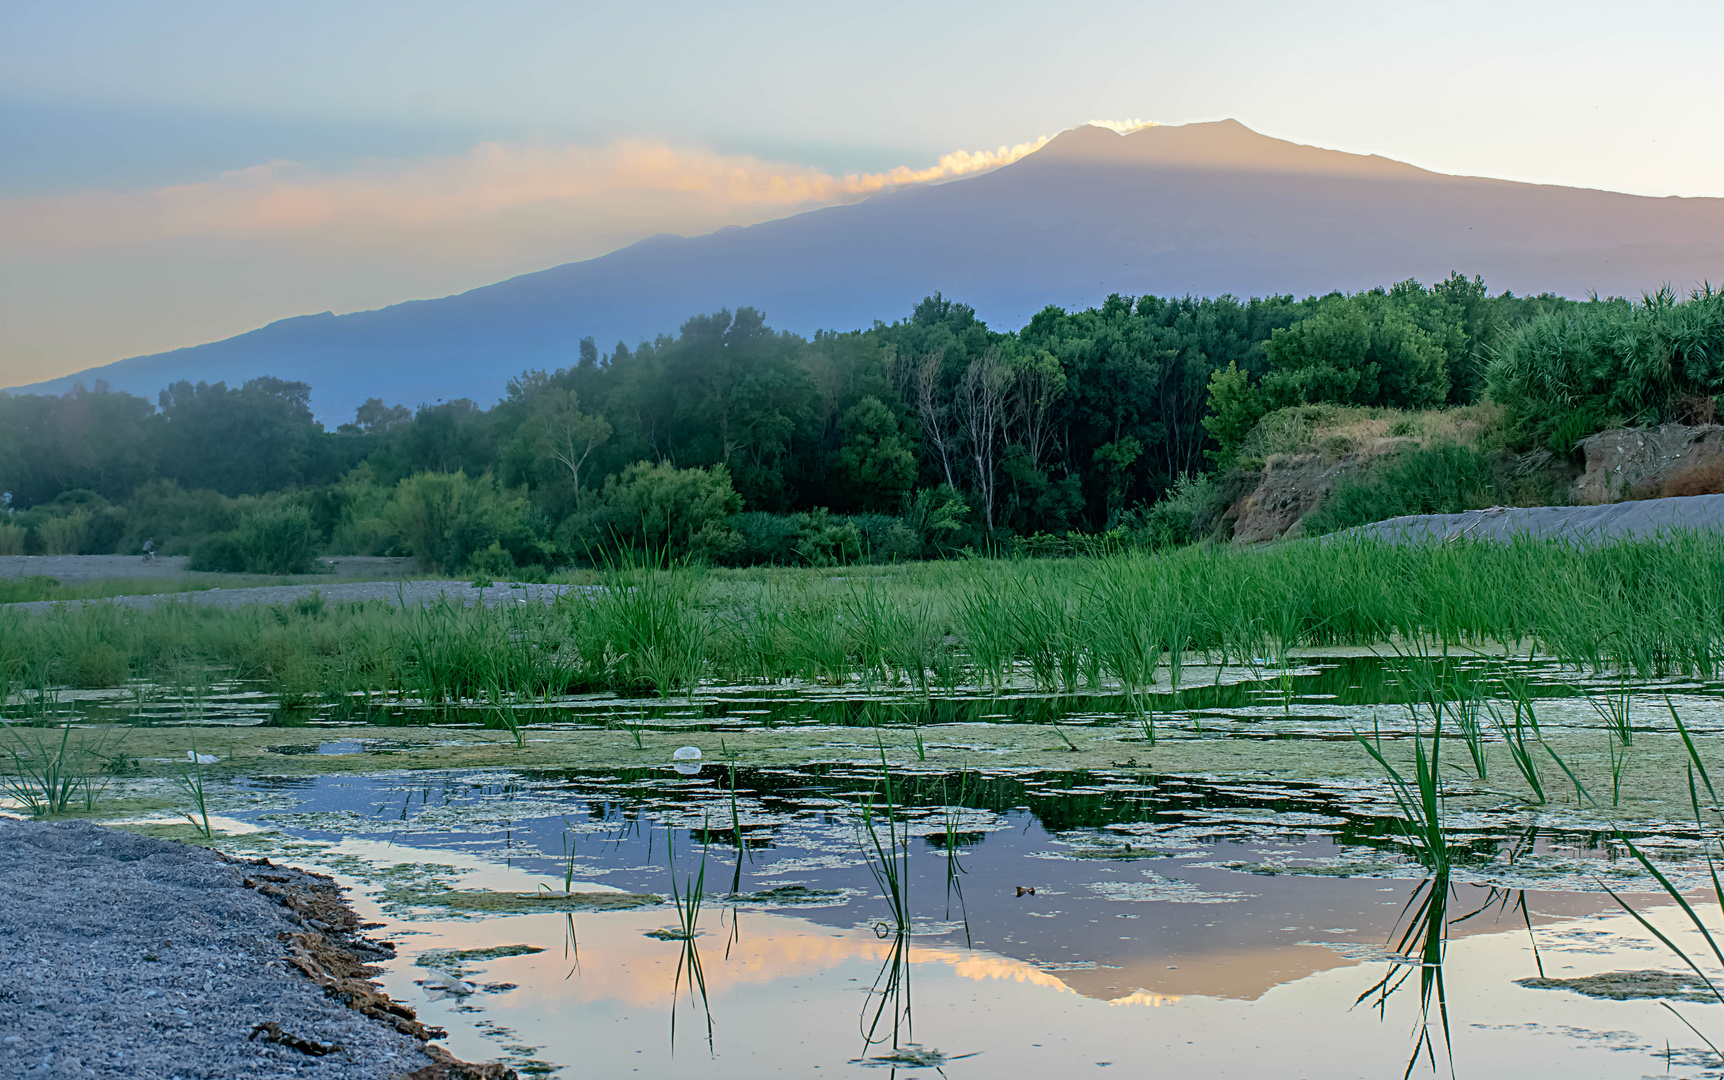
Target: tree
x=257, y=438
x=920, y=381
x=444, y=518
x=983, y=394
x=1037, y=386
x=1356, y=351
x=1235, y=406
x=376, y=418
x=566, y=434
x=874, y=464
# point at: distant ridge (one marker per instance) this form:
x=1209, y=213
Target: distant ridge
x=1199, y=209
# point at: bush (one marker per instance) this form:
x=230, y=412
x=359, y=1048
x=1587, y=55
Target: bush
x=178, y=521
x=1356, y=351
x=1444, y=479
x=821, y=538
x=279, y=539
x=271, y=539
x=445, y=518
x=11, y=539
x=682, y=513
x=764, y=539
x=219, y=554
x=1562, y=377
x=96, y=666
x=1173, y=521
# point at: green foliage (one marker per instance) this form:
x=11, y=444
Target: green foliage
x=659, y=508
x=1172, y=521
x=1568, y=374
x=279, y=539
x=874, y=464
x=443, y=519
x=272, y=538
x=1445, y=479
x=1235, y=406
x=1360, y=350
x=973, y=435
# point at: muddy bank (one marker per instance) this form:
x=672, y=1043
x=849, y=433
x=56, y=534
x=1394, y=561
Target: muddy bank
x=126, y=956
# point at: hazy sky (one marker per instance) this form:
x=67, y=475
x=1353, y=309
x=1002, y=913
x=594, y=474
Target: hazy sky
x=176, y=172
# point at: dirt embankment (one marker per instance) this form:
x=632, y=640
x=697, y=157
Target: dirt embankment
x=1651, y=463
x=1623, y=465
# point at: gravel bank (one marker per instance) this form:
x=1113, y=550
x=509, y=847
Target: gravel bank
x=124, y=956
x=395, y=592
x=71, y=569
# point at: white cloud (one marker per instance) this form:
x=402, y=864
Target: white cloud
x=495, y=194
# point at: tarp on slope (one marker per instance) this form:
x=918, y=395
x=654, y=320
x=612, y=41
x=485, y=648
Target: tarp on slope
x=1612, y=521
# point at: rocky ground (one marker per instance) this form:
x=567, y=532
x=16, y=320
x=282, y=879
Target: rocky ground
x=126, y=956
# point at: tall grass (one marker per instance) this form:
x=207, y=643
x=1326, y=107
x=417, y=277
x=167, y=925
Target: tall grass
x=1635, y=610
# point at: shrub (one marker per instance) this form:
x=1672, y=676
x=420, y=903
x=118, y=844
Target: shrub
x=660, y=508
x=1564, y=376
x=11, y=539
x=95, y=666
x=1172, y=521
x=278, y=539
x=273, y=538
x=176, y=519
x=1356, y=351
x=63, y=535
x=219, y=554
x=1443, y=479
x=764, y=539
x=444, y=518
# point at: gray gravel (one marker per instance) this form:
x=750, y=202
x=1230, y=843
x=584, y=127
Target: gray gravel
x=124, y=956
x=1582, y=524
x=395, y=592
x=69, y=569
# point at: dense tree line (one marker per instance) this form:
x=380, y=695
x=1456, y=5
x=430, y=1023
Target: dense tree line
x=935, y=425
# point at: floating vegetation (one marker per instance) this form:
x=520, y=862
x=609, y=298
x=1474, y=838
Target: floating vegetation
x=1630, y=986
x=521, y=903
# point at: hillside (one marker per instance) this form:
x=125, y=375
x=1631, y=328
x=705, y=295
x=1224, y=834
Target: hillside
x=1201, y=209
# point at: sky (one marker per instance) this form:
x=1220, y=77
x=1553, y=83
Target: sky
x=180, y=171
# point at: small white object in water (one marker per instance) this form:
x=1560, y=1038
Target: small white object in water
x=686, y=753
x=201, y=759
x=437, y=984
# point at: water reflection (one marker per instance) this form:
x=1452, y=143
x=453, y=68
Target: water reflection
x=1175, y=916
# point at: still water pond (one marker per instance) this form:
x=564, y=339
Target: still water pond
x=1176, y=927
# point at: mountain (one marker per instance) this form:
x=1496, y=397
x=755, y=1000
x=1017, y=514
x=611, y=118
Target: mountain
x=1199, y=209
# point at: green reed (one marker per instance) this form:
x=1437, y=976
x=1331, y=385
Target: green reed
x=1638, y=609
x=45, y=777
x=191, y=781
x=687, y=903
x=1514, y=726
x=1420, y=799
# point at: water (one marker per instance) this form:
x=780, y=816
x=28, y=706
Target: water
x=1180, y=925
x=1321, y=696
x=1186, y=926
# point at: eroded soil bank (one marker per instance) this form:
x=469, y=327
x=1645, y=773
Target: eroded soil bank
x=127, y=956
